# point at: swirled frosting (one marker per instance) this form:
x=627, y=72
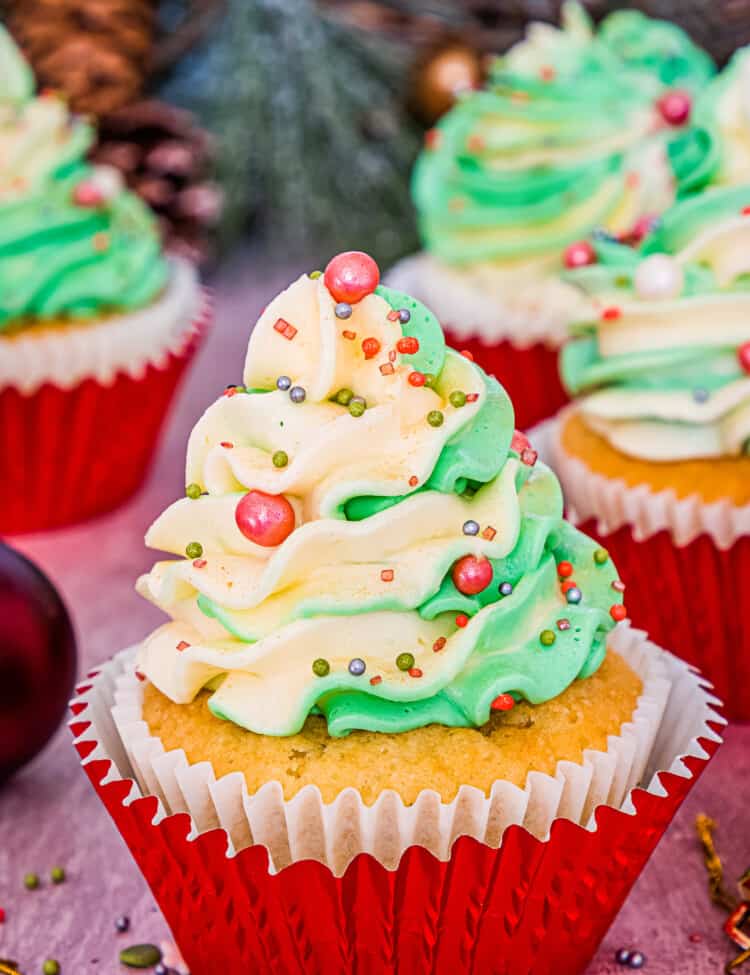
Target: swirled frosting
x=715, y=150
x=662, y=367
x=565, y=138
x=384, y=505
x=74, y=243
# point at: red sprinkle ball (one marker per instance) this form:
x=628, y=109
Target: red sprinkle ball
x=462, y=620
x=503, y=702
x=438, y=645
x=408, y=345
x=416, y=379
x=567, y=586
x=351, y=276
x=675, y=107
x=564, y=569
x=413, y=480
x=743, y=354
x=472, y=575
x=370, y=347
x=387, y=575
x=580, y=254
x=415, y=672
x=266, y=519
x=611, y=314
x=618, y=612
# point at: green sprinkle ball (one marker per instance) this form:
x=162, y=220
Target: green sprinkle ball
x=435, y=418
x=458, y=398
x=194, y=550
x=344, y=396
x=601, y=556
x=57, y=875
x=321, y=667
x=280, y=458
x=31, y=881
x=357, y=406
x=51, y=967
x=193, y=491
x=429, y=380
x=315, y=274
x=405, y=661
x=547, y=638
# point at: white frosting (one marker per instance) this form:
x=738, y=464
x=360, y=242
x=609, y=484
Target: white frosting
x=67, y=354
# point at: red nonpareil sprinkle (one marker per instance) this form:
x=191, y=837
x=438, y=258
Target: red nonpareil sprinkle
x=618, y=612
x=567, y=586
x=387, y=575
x=182, y=645
x=415, y=672
x=489, y=533
x=472, y=397
x=347, y=334
x=416, y=379
x=392, y=315
x=438, y=645
x=408, y=345
x=413, y=480
x=377, y=679
x=467, y=355
x=745, y=211
x=227, y=444
x=387, y=369
x=503, y=702
x=611, y=314
x=140, y=676
x=529, y=457
x=462, y=620
x=565, y=569
x=370, y=347
x=618, y=586
x=199, y=563
x=743, y=354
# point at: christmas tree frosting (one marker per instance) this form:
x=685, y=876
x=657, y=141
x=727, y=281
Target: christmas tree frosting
x=365, y=535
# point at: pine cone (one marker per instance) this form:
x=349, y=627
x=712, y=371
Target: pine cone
x=167, y=159
x=96, y=51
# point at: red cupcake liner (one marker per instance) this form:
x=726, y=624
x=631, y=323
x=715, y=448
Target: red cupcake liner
x=693, y=598
x=529, y=374
x=531, y=907
x=80, y=452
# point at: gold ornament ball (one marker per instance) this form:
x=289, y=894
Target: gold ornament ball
x=441, y=77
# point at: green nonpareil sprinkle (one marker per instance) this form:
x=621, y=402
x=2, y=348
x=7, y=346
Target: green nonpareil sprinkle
x=57, y=875
x=435, y=418
x=51, y=967
x=344, y=396
x=429, y=380
x=193, y=491
x=31, y=881
x=280, y=458
x=457, y=398
x=547, y=638
x=405, y=661
x=194, y=550
x=601, y=556
x=357, y=406
x=321, y=667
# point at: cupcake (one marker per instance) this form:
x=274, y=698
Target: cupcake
x=569, y=135
x=96, y=324
x=653, y=455
x=390, y=687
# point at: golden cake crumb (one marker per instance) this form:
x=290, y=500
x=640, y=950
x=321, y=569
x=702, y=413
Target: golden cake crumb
x=509, y=746
x=714, y=479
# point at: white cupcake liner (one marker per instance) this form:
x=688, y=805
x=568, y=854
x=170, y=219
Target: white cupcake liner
x=127, y=343
x=673, y=712
x=492, y=304
x=613, y=504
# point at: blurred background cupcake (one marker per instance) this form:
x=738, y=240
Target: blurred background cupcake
x=96, y=324
x=653, y=456
x=569, y=135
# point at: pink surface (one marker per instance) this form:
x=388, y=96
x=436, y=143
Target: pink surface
x=49, y=815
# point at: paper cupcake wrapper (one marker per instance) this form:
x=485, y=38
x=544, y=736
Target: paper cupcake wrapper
x=82, y=450
x=686, y=565
x=511, y=883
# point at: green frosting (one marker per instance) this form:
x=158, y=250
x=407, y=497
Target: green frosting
x=60, y=258
x=506, y=654
x=540, y=158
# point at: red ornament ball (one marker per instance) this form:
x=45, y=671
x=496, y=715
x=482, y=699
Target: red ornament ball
x=580, y=254
x=37, y=661
x=351, y=276
x=743, y=354
x=472, y=575
x=266, y=519
x=675, y=107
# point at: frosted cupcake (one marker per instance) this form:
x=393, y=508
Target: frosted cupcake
x=382, y=636
x=96, y=326
x=656, y=447
x=568, y=136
